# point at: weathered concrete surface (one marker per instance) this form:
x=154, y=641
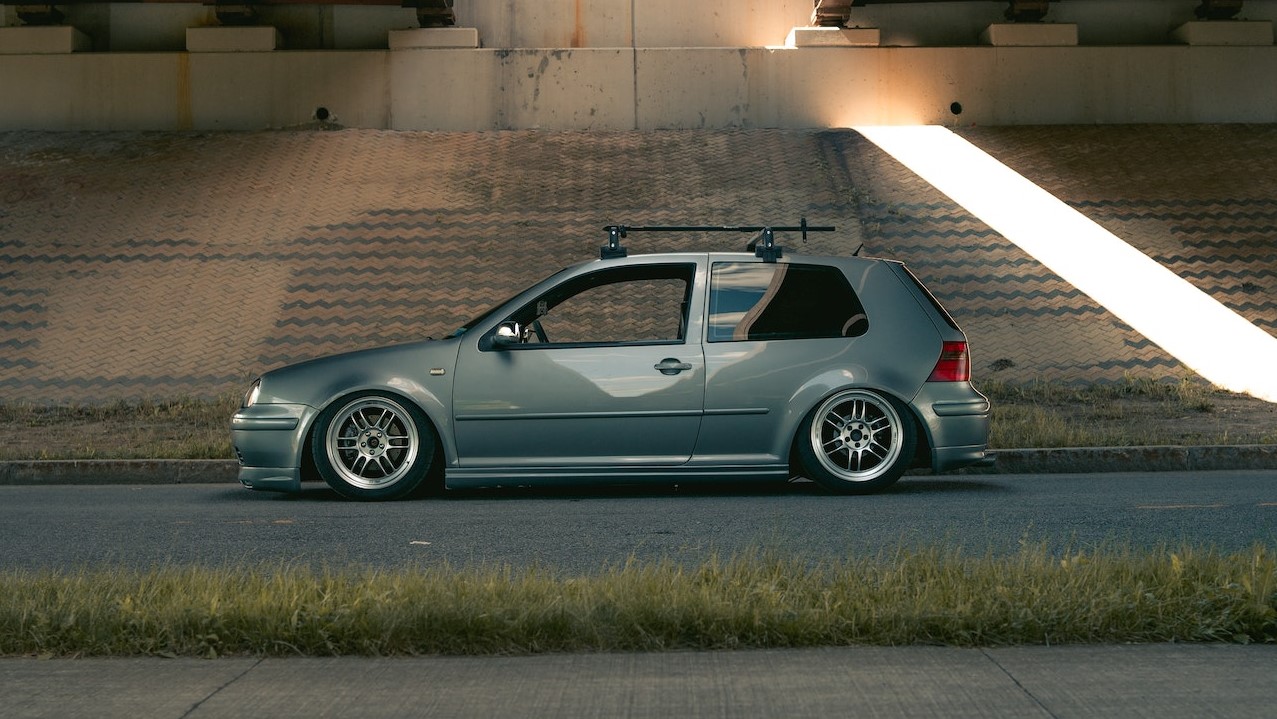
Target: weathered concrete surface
x=621, y=88
x=1168, y=681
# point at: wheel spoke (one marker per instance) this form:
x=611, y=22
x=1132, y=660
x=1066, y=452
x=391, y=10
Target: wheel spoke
x=858, y=409
x=878, y=423
x=385, y=419
x=357, y=466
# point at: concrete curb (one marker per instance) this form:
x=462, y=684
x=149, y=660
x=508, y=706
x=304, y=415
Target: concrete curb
x=1071, y=460
x=119, y=471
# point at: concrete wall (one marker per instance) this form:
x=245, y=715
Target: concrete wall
x=129, y=27
x=636, y=64
x=623, y=89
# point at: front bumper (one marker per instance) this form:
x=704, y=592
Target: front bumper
x=271, y=479
x=269, y=440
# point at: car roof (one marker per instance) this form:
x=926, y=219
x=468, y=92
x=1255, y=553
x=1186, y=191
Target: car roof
x=790, y=257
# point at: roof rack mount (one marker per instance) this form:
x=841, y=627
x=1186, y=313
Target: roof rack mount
x=763, y=244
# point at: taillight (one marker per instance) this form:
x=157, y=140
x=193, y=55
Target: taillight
x=954, y=364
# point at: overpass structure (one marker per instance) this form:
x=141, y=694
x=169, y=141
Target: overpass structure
x=633, y=64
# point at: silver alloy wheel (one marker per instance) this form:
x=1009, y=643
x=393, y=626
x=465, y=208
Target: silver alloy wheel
x=372, y=443
x=856, y=435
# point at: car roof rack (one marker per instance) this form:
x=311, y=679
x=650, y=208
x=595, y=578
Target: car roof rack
x=763, y=244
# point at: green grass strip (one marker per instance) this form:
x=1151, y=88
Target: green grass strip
x=928, y=596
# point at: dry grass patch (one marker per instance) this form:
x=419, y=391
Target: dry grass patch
x=180, y=428
x=929, y=596
x=1135, y=412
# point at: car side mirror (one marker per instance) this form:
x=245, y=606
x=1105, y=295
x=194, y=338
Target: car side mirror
x=508, y=333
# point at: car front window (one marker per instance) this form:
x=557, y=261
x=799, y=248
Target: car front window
x=632, y=304
x=492, y=310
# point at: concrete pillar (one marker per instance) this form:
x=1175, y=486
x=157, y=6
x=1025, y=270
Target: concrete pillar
x=834, y=37
x=1225, y=32
x=42, y=40
x=433, y=37
x=260, y=38
x=1015, y=34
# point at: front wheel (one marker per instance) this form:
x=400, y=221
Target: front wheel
x=373, y=447
x=857, y=442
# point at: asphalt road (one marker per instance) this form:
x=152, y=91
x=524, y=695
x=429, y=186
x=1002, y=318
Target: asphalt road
x=579, y=531
x=68, y=526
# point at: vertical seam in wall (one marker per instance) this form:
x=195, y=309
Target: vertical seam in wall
x=185, y=116
x=634, y=60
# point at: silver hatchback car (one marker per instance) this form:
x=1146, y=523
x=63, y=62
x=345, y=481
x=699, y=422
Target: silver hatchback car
x=647, y=368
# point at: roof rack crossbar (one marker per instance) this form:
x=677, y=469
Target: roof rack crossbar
x=716, y=228
x=767, y=249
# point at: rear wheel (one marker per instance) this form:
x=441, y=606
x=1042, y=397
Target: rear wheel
x=373, y=447
x=857, y=441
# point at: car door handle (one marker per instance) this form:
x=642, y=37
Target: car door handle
x=669, y=365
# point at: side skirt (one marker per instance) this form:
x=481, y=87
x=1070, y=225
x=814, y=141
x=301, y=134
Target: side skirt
x=462, y=478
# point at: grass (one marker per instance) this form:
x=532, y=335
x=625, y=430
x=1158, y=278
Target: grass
x=180, y=428
x=909, y=597
x=1134, y=412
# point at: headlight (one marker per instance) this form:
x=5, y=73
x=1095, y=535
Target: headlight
x=250, y=397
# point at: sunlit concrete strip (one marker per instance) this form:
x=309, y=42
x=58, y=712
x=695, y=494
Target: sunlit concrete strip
x=1216, y=342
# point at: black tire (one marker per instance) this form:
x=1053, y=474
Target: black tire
x=857, y=441
x=374, y=447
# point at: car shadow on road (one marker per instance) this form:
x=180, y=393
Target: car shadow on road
x=930, y=485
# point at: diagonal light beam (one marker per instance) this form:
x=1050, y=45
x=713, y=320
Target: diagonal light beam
x=1214, y=341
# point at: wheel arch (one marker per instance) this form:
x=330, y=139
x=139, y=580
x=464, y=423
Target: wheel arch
x=796, y=422
x=417, y=396
x=822, y=386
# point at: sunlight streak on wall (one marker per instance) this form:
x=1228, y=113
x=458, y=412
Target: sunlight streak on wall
x=1214, y=341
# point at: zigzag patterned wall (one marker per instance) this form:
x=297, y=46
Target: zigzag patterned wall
x=158, y=264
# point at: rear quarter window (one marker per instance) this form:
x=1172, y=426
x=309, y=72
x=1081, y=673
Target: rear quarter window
x=782, y=301
x=940, y=310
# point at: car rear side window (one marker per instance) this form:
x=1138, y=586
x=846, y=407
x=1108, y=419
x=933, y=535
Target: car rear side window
x=780, y=301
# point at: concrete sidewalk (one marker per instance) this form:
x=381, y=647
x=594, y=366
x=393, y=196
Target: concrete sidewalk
x=1164, y=681
x=1009, y=461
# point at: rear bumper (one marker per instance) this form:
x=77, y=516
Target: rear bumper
x=956, y=418
x=947, y=458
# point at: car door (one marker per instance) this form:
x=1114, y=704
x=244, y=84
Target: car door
x=607, y=369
